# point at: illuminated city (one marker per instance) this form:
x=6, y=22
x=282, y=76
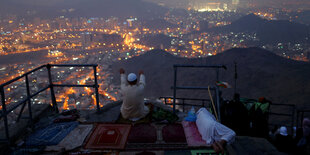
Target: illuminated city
x=259, y=48
x=78, y=40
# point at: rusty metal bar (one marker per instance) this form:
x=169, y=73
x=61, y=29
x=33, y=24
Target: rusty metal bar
x=72, y=85
x=19, y=77
x=174, y=88
x=96, y=88
x=5, y=114
x=52, y=88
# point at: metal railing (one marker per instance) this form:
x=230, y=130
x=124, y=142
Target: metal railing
x=204, y=102
x=5, y=111
x=282, y=114
x=216, y=89
x=300, y=116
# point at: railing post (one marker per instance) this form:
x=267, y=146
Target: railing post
x=217, y=95
x=183, y=104
x=29, y=101
x=175, y=87
x=48, y=66
x=293, y=116
x=218, y=103
x=7, y=134
x=217, y=74
x=302, y=118
x=297, y=118
x=96, y=89
x=236, y=76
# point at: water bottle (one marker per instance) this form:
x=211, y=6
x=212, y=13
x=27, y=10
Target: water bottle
x=192, y=111
x=191, y=115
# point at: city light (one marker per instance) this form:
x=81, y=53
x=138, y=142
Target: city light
x=106, y=40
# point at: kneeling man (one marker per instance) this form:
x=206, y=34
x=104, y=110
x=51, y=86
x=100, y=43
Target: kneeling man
x=133, y=107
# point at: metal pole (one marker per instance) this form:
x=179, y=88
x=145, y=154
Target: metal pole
x=24, y=104
x=218, y=103
x=4, y=112
x=183, y=104
x=293, y=115
x=217, y=74
x=174, y=88
x=297, y=119
x=48, y=66
x=302, y=118
x=217, y=95
x=21, y=112
x=236, y=76
x=29, y=102
x=96, y=89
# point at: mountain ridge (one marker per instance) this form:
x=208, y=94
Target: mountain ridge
x=260, y=73
x=268, y=31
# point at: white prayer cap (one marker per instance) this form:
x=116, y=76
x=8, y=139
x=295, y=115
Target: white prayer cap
x=132, y=77
x=283, y=131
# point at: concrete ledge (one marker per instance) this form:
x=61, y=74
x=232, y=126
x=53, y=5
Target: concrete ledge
x=109, y=113
x=252, y=145
x=20, y=128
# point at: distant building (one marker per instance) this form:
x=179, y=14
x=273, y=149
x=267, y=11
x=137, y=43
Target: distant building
x=87, y=38
x=235, y=2
x=203, y=25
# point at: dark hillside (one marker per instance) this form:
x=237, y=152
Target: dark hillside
x=260, y=73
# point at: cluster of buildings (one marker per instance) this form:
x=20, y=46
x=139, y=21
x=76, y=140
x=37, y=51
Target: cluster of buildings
x=214, y=5
x=105, y=40
x=188, y=34
x=67, y=98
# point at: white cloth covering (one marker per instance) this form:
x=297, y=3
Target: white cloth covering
x=211, y=130
x=133, y=99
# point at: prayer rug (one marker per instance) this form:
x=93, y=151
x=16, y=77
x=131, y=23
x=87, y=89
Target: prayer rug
x=108, y=136
x=51, y=135
x=178, y=152
x=173, y=133
x=25, y=150
x=153, y=152
x=192, y=134
x=73, y=140
x=146, y=119
x=142, y=133
x=206, y=152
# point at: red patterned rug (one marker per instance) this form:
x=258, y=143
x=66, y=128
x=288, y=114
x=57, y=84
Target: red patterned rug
x=142, y=133
x=108, y=136
x=173, y=133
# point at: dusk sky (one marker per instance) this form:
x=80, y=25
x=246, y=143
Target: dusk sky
x=168, y=2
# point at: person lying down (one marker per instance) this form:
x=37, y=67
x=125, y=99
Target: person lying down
x=214, y=133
